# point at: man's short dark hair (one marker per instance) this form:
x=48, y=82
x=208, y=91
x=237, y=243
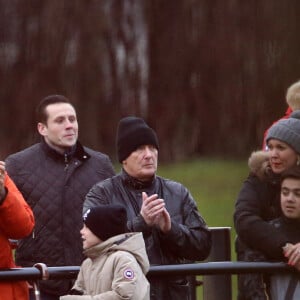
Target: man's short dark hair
x=293, y=172
x=41, y=114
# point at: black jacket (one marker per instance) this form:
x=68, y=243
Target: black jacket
x=55, y=186
x=257, y=203
x=189, y=239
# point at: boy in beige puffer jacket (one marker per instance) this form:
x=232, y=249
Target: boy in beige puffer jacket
x=117, y=261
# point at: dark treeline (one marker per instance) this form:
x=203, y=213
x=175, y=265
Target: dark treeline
x=209, y=76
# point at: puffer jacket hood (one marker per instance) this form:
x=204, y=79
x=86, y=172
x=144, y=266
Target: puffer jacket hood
x=132, y=242
x=259, y=164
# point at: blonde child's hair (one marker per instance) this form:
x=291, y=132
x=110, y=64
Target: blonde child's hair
x=293, y=96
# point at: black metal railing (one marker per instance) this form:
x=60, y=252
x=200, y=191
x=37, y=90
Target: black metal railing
x=216, y=271
x=42, y=272
x=209, y=268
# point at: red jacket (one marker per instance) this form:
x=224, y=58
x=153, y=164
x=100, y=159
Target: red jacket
x=16, y=222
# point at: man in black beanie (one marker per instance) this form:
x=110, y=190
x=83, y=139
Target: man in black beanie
x=163, y=210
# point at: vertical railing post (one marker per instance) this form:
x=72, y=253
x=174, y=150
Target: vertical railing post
x=217, y=287
x=193, y=287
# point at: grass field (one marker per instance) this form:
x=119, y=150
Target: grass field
x=214, y=184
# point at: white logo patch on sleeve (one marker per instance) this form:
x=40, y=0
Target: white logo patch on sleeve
x=129, y=274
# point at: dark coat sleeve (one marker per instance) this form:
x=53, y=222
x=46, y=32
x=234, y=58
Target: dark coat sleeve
x=254, y=208
x=188, y=231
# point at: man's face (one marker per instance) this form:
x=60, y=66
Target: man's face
x=142, y=163
x=290, y=198
x=61, y=130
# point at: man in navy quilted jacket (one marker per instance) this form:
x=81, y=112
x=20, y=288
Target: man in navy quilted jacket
x=54, y=176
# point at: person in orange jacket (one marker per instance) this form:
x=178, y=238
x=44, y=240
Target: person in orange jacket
x=16, y=222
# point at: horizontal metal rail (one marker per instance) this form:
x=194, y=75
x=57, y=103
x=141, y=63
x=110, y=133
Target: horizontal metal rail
x=209, y=268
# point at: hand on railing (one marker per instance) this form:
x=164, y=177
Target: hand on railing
x=45, y=275
x=292, y=253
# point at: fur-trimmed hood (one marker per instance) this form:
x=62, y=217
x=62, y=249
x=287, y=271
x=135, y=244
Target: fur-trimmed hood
x=259, y=165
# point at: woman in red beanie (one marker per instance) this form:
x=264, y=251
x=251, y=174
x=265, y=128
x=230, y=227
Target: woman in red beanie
x=16, y=222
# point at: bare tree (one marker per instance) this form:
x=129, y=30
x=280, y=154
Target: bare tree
x=209, y=76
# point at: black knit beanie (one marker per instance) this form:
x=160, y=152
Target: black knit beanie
x=132, y=133
x=106, y=221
